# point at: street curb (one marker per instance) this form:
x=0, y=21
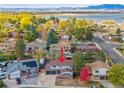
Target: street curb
x=104, y=40
x=108, y=41
x=97, y=45
x=118, y=52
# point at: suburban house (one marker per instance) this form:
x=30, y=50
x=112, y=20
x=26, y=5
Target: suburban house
x=62, y=36
x=22, y=69
x=54, y=24
x=38, y=44
x=65, y=45
x=7, y=45
x=98, y=71
x=9, y=25
x=87, y=47
x=56, y=67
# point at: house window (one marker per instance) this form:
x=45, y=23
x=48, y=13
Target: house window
x=71, y=67
x=96, y=77
x=53, y=66
x=96, y=71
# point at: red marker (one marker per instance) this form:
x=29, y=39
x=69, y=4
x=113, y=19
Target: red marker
x=61, y=58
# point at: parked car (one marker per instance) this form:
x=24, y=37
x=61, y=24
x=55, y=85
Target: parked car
x=4, y=70
x=65, y=75
x=18, y=81
x=2, y=76
x=4, y=67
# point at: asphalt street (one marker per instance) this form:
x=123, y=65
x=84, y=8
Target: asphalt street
x=108, y=49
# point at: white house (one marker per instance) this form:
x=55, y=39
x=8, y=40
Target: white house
x=15, y=74
x=99, y=71
x=23, y=68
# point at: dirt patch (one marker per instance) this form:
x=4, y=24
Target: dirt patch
x=64, y=82
x=77, y=83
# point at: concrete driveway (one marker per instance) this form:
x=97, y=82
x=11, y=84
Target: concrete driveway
x=10, y=83
x=13, y=84
x=106, y=84
x=46, y=80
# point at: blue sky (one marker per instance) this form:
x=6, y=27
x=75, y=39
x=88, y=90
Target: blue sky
x=41, y=5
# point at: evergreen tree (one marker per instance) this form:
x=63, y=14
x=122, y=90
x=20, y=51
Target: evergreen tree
x=118, y=31
x=20, y=48
x=88, y=34
x=52, y=38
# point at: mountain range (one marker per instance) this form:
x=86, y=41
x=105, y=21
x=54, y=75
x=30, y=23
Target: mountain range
x=106, y=6
x=90, y=7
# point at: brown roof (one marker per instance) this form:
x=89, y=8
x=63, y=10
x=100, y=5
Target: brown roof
x=90, y=43
x=88, y=47
x=7, y=45
x=57, y=63
x=64, y=44
x=97, y=65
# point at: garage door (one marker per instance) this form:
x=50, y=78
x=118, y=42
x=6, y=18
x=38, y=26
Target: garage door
x=51, y=72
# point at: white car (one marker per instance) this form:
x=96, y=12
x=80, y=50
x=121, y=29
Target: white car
x=0, y=69
x=2, y=76
x=4, y=70
x=79, y=42
x=67, y=73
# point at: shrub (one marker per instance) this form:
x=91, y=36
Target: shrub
x=2, y=85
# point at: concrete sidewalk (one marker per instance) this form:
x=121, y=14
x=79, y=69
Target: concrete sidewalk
x=106, y=84
x=115, y=49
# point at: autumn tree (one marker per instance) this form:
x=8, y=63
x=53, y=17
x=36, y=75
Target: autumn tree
x=29, y=36
x=90, y=23
x=13, y=19
x=47, y=25
x=31, y=33
x=84, y=34
x=80, y=34
x=3, y=34
x=25, y=22
x=63, y=25
x=116, y=74
x=79, y=23
x=70, y=29
x=41, y=20
x=39, y=53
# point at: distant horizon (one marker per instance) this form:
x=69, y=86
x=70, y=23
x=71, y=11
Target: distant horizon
x=55, y=6
x=43, y=5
